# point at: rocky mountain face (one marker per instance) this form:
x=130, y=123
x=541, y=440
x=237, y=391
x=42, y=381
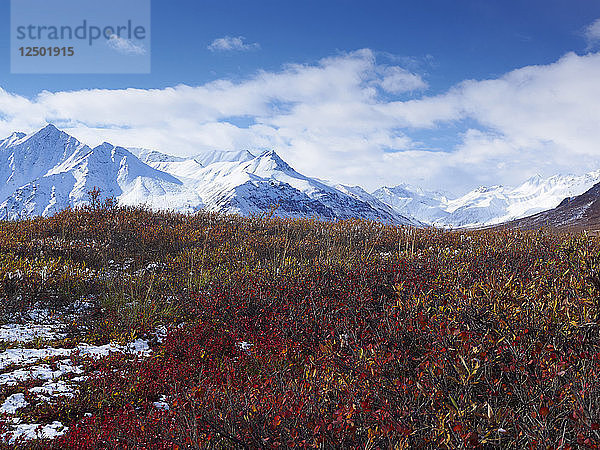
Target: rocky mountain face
x=575, y=213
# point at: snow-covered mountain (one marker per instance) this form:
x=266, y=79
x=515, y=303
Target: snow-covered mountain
x=47, y=171
x=581, y=212
x=487, y=205
x=415, y=202
x=245, y=183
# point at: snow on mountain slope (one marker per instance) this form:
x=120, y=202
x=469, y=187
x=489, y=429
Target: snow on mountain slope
x=581, y=212
x=224, y=156
x=424, y=206
x=222, y=174
x=243, y=183
x=360, y=194
x=49, y=170
x=185, y=169
x=153, y=156
x=26, y=158
x=488, y=206
x=54, y=170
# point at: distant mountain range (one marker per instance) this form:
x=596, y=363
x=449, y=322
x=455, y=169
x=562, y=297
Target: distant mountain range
x=47, y=171
x=486, y=205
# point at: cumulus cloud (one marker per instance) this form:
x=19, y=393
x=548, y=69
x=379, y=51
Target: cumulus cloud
x=125, y=46
x=347, y=118
x=229, y=43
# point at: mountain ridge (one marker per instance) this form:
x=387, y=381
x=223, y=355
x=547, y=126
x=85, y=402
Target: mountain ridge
x=575, y=213
x=50, y=170
x=487, y=206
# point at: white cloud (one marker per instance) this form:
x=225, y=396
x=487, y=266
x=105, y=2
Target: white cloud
x=125, y=46
x=340, y=119
x=397, y=80
x=592, y=33
x=229, y=43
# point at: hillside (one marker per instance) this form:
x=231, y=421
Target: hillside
x=581, y=212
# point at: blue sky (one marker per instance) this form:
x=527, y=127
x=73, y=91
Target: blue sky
x=432, y=48
x=448, y=40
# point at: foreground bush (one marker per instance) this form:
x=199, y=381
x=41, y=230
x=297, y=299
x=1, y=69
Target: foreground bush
x=283, y=333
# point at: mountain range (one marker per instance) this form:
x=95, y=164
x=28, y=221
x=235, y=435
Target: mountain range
x=49, y=170
x=486, y=206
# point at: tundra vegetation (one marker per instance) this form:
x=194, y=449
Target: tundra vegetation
x=267, y=333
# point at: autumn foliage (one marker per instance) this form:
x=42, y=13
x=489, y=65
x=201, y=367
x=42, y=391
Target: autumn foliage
x=299, y=333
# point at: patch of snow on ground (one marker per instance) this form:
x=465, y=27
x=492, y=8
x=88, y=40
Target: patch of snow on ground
x=12, y=403
x=28, y=431
x=42, y=372
x=161, y=333
x=245, y=346
x=23, y=356
x=54, y=389
x=31, y=364
x=162, y=403
x=28, y=332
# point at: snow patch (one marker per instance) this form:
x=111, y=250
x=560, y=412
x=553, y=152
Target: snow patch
x=13, y=403
x=29, y=431
x=29, y=332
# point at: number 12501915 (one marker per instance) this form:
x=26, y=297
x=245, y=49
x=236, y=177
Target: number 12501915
x=47, y=51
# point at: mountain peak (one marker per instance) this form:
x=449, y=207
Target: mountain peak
x=154, y=156
x=10, y=140
x=486, y=189
x=273, y=156
x=51, y=132
x=536, y=179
